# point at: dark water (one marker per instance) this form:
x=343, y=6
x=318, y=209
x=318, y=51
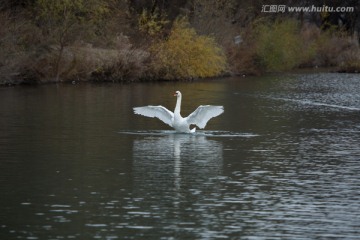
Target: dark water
x=282, y=162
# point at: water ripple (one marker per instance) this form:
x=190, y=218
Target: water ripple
x=197, y=133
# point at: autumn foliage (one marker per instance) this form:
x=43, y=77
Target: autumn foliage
x=185, y=54
x=121, y=40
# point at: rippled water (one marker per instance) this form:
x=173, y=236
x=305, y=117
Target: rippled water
x=282, y=162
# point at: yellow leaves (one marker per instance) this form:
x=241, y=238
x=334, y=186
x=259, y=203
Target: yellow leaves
x=185, y=54
x=151, y=23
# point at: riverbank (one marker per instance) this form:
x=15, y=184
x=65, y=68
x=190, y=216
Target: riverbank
x=313, y=70
x=106, y=41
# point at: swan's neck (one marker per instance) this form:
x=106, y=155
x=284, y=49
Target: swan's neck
x=178, y=106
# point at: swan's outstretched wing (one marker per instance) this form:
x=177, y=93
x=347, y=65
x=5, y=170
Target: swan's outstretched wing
x=155, y=111
x=203, y=114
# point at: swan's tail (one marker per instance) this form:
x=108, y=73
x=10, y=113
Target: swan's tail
x=193, y=130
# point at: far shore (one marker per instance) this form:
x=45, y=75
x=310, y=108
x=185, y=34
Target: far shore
x=25, y=82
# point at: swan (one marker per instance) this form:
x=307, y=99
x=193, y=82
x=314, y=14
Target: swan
x=199, y=117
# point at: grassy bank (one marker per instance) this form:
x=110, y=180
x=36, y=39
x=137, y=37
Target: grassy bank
x=112, y=41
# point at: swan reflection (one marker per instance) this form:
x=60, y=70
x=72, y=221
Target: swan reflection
x=175, y=161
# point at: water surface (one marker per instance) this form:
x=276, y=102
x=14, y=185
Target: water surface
x=282, y=162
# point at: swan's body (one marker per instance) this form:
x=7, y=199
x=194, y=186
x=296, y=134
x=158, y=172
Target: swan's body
x=199, y=117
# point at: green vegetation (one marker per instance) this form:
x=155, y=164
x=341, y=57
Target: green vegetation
x=284, y=45
x=108, y=40
x=279, y=46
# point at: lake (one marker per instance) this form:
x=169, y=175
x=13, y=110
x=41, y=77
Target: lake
x=282, y=162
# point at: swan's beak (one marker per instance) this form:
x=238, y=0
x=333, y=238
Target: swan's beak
x=175, y=94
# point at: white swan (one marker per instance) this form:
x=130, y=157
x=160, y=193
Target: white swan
x=199, y=117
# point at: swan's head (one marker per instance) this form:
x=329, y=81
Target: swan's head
x=177, y=94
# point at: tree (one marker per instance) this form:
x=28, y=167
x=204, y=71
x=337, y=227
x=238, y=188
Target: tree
x=63, y=21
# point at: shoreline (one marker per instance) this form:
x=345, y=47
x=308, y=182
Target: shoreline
x=33, y=82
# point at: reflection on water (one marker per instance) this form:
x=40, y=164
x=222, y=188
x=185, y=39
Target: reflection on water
x=199, y=133
x=281, y=163
x=171, y=169
x=175, y=160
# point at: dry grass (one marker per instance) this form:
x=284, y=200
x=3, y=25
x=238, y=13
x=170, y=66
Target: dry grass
x=29, y=55
x=125, y=63
x=27, y=59
x=82, y=62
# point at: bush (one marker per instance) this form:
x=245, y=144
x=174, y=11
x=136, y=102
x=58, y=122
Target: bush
x=126, y=64
x=63, y=22
x=81, y=61
x=279, y=46
x=151, y=23
x=17, y=39
x=334, y=48
x=185, y=54
x=283, y=46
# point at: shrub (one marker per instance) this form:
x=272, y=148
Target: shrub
x=242, y=56
x=279, y=46
x=333, y=48
x=63, y=22
x=185, y=54
x=151, y=23
x=125, y=64
x=17, y=39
